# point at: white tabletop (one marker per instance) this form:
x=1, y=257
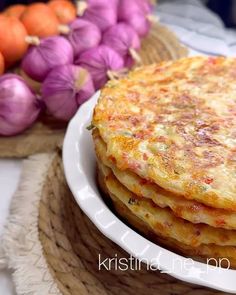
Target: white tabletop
x=9, y=178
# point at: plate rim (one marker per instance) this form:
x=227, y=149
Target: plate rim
x=102, y=212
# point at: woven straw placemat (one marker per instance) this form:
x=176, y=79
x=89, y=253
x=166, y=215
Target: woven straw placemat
x=44, y=136
x=53, y=248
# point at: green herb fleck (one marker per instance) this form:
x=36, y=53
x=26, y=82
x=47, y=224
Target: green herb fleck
x=90, y=127
x=163, y=147
x=204, y=188
x=127, y=133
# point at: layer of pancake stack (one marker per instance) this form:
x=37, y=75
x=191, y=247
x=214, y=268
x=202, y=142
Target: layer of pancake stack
x=165, y=141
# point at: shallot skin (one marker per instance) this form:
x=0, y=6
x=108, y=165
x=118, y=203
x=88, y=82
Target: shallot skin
x=101, y=14
x=83, y=35
x=65, y=89
x=19, y=106
x=122, y=38
x=140, y=23
x=99, y=61
x=51, y=52
x=104, y=2
x=135, y=13
x=127, y=8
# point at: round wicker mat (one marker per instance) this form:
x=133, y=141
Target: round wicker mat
x=72, y=245
x=161, y=44
x=47, y=134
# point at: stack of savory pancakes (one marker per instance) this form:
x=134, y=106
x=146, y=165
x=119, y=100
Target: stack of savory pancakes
x=165, y=139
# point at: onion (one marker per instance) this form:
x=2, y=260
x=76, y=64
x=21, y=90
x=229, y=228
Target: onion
x=82, y=5
x=123, y=39
x=19, y=106
x=65, y=89
x=140, y=11
x=45, y=55
x=64, y=10
x=102, y=62
x=15, y=10
x=147, y=6
x=103, y=13
x=134, y=6
x=36, y=86
x=83, y=35
x=40, y=20
x=12, y=39
x=2, y=64
x=140, y=23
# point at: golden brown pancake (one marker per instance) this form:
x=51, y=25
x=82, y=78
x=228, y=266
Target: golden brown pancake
x=162, y=220
x=174, y=124
x=203, y=253
x=190, y=210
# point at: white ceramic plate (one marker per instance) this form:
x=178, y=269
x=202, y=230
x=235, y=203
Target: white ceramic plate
x=80, y=165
